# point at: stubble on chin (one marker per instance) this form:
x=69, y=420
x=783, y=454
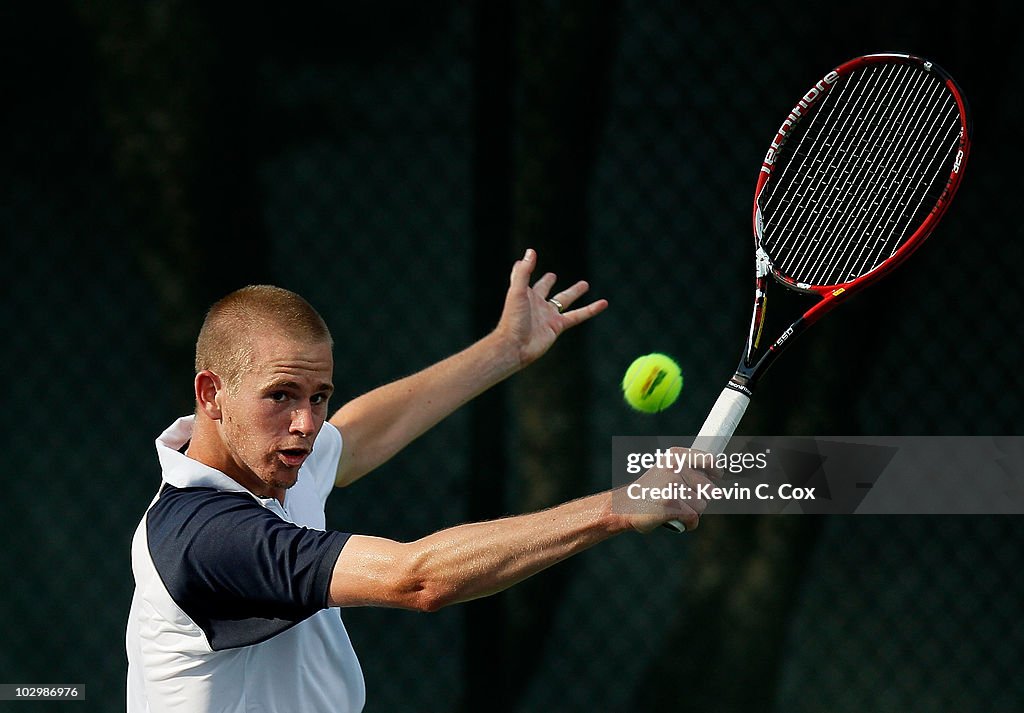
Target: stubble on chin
x=277, y=476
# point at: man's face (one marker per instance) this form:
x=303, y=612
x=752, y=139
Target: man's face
x=270, y=420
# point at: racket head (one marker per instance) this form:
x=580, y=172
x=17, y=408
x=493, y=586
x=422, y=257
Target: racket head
x=858, y=175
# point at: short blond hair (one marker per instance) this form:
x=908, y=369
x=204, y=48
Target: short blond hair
x=225, y=343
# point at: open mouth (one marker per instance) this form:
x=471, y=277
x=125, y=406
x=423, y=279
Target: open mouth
x=293, y=457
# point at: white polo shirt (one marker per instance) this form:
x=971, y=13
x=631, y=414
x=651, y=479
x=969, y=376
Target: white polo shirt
x=230, y=607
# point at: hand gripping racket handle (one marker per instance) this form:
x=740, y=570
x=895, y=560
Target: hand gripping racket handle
x=718, y=428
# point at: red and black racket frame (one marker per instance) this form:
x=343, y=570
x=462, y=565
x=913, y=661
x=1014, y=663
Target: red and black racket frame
x=752, y=367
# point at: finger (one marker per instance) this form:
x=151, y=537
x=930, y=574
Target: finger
x=569, y=295
x=689, y=517
x=522, y=269
x=706, y=465
x=582, y=314
x=543, y=286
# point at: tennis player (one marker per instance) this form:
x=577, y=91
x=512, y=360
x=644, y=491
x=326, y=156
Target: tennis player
x=238, y=581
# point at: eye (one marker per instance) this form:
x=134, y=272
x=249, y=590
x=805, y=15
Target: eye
x=278, y=396
x=318, y=399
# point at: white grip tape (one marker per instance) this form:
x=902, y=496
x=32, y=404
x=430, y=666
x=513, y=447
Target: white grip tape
x=721, y=423
x=718, y=428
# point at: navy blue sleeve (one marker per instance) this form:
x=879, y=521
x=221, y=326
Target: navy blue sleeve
x=235, y=568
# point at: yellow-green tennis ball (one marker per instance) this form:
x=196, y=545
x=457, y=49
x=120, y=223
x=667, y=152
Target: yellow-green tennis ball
x=652, y=383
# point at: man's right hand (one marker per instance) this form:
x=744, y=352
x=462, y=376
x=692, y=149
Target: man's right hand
x=642, y=501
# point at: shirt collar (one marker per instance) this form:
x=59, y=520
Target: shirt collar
x=183, y=472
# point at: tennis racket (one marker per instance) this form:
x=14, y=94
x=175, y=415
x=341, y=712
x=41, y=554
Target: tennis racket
x=857, y=176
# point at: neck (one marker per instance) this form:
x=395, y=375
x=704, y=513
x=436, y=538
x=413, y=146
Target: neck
x=208, y=447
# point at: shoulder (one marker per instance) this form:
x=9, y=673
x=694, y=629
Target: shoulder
x=216, y=549
x=328, y=445
x=322, y=463
x=183, y=521
x=180, y=510
x=235, y=568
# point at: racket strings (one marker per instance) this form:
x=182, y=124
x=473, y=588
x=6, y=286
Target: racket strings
x=829, y=251
x=830, y=151
x=881, y=169
x=853, y=179
x=807, y=190
x=896, y=196
x=851, y=158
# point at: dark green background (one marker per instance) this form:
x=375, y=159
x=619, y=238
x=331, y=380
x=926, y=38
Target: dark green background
x=390, y=161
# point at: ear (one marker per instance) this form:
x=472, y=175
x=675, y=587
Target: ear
x=208, y=387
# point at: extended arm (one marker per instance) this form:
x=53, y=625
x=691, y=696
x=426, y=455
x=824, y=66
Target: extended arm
x=378, y=424
x=478, y=559
x=467, y=561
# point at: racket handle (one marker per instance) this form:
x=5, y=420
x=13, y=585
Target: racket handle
x=718, y=428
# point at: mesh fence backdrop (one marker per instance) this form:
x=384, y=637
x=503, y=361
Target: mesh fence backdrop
x=390, y=162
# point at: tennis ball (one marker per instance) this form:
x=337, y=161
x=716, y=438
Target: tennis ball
x=652, y=383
